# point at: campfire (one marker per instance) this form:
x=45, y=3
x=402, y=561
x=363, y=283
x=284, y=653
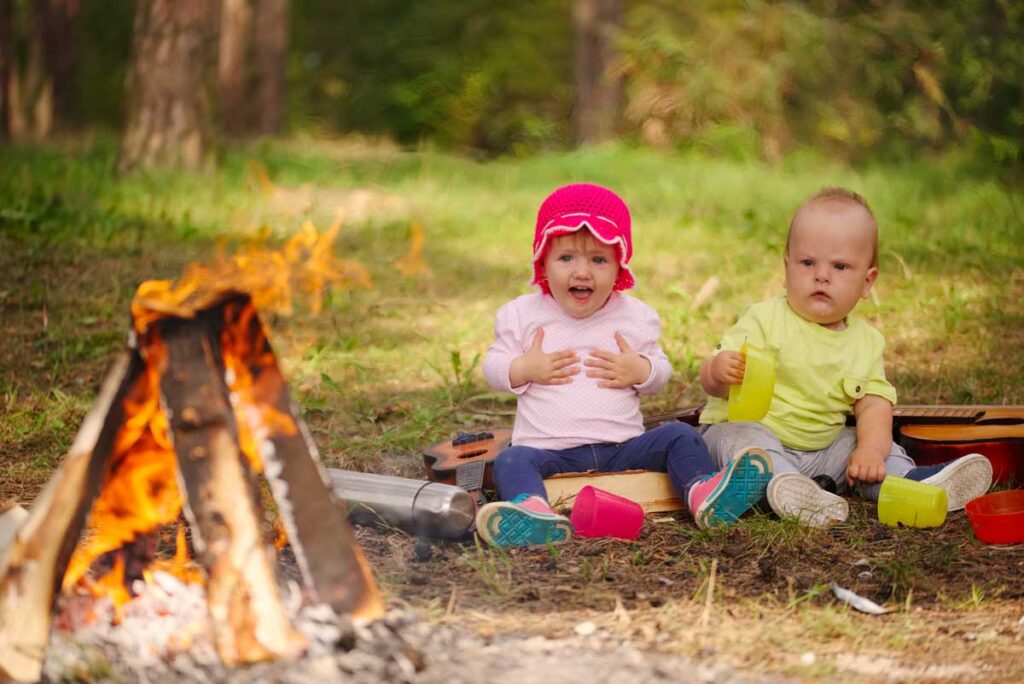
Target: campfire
x=193, y=438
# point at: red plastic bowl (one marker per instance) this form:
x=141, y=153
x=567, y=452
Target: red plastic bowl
x=998, y=518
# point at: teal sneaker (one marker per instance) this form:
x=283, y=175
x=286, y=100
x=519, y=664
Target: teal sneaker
x=721, y=498
x=521, y=522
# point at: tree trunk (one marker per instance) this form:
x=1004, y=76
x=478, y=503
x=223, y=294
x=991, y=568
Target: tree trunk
x=6, y=65
x=232, y=72
x=271, y=51
x=251, y=69
x=59, y=23
x=30, y=87
x=169, y=85
x=598, y=91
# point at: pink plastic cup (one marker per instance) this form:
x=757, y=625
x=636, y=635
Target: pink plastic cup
x=597, y=513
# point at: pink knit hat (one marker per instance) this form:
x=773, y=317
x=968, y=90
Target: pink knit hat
x=568, y=209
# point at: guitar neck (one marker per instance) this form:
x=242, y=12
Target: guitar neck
x=690, y=414
x=937, y=414
x=973, y=414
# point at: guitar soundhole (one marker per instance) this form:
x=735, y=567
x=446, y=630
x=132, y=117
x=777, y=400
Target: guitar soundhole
x=472, y=454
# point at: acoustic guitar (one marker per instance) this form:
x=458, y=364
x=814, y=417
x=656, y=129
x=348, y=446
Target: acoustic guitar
x=936, y=434
x=466, y=460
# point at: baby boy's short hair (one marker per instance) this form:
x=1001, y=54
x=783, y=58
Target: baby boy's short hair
x=841, y=196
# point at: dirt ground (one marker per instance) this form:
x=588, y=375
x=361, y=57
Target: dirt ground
x=957, y=605
x=958, y=613
x=748, y=603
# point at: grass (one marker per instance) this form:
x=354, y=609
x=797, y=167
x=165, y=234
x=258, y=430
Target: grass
x=380, y=374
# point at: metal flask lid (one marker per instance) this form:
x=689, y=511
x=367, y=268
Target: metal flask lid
x=442, y=510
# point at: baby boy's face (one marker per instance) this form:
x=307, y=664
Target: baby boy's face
x=581, y=272
x=828, y=263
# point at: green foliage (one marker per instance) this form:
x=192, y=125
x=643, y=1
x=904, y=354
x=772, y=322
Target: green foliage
x=493, y=567
x=459, y=380
x=886, y=78
x=741, y=79
x=485, y=75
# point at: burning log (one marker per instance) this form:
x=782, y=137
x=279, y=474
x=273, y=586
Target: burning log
x=221, y=505
x=34, y=564
x=185, y=421
x=325, y=548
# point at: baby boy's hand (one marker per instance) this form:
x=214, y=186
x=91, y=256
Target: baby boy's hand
x=556, y=368
x=728, y=367
x=618, y=371
x=865, y=465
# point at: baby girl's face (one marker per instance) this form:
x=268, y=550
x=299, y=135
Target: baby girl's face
x=828, y=263
x=581, y=272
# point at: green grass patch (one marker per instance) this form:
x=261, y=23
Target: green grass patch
x=382, y=373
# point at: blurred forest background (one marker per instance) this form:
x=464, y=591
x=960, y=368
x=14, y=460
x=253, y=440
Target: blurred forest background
x=853, y=79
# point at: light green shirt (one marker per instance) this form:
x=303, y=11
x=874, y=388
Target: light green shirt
x=820, y=373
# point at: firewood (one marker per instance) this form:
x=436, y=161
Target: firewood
x=332, y=564
x=11, y=519
x=220, y=502
x=35, y=562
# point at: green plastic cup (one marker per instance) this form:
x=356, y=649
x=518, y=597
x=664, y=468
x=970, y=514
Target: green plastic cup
x=749, y=401
x=913, y=504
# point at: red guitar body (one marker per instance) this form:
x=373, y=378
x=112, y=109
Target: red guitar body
x=996, y=431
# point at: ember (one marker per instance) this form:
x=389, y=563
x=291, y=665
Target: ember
x=189, y=418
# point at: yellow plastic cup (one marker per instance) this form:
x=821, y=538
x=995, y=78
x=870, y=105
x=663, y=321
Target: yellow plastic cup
x=914, y=504
x=749, y=401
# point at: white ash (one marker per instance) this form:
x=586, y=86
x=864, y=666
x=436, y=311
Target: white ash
x=164, y=636
x=165, y=618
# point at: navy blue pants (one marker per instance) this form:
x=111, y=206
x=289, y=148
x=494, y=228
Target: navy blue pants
x=673, y=448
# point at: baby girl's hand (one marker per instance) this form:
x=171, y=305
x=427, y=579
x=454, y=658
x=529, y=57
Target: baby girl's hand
x=556, y=368
x=618, y=370
x=728, y=367
x=865, y=465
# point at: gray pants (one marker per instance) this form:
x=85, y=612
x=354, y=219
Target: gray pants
x=724, y=440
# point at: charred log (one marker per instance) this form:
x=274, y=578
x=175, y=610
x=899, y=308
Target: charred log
x=219, y=494
x=332, y=564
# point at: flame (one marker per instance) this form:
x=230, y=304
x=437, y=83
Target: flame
x=253, y=381
x=112, y=585
x=140, y=493
x=180, y=565
x=412, y=264
x=306, y=261
x=280, y=535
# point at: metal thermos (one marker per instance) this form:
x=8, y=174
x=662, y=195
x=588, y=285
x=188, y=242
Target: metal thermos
x=422, y=508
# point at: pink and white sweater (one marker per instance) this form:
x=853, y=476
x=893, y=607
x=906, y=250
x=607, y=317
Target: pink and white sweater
x=565, y=416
